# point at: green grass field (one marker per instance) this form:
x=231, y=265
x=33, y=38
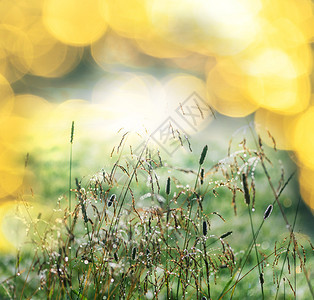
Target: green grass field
x=223, y=222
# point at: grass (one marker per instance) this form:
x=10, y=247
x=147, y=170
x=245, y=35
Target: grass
x=148, y=230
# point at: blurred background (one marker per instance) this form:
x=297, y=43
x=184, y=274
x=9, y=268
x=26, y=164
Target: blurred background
x=122, y=66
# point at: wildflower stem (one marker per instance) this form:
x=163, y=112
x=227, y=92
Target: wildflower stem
x=288, y=249
x=70, y=200
x=256, y=253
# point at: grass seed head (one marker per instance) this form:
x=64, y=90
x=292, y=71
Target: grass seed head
x=111, y=200
x=204, y=228
x=261, y=278
x=268, y=211
x=203, y=155
x=133, y=253
x=72, y=132
x=168, y=186
x=246, y=189
x=202, y=175
x=116, y=258
x=225, y=234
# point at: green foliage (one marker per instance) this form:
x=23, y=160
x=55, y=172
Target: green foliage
x=131, y=236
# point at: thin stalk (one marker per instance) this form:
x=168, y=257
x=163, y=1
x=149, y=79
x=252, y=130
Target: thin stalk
x=167, y=277
x=70, y=200
x=185, y=244
x=186, y=231
x=248, y=272
x=294, y=273
x=256, y=253
x=207, y=269
x=286, y=254
x=248, y=251
x=167, y=234
x=281, y=210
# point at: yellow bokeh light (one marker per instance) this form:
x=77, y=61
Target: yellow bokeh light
x=11, y=170
x=74, y=22
x=40, y=38
x=6, y=99
x=16, y=52
x=258, y=58
x=306, y=179
x=299, y=12
x=59, y=60
x=228, y=27
x=278, y=94
x=30, y=106
x=112, y=50
x=11, y=181
x=16, y=218
x=12, y=130
x=279, y=126
x=127, y=17
x=157, y=46
x=6, y=211
x=12, y=14
x=208, y=27
x=227, y=90
x=43, y=65
x=303, y=141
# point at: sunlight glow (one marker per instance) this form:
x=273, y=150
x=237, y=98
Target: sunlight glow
x=240, y=57
x=74, y=22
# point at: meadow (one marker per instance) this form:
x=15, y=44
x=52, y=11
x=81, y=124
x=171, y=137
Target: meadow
x=189, y=226
x=188, y=170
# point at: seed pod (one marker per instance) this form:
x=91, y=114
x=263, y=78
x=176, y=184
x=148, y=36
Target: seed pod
x=72, y=132
x=168, y=186
x=246, y=189
x=261, y=278
x=268, y=211
x=115, y=255
x=260, y=142
x=225, y=234
x=111, y=200
x=204, y=152
x=202, y=175
x=204, y=228
x=133, y=253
